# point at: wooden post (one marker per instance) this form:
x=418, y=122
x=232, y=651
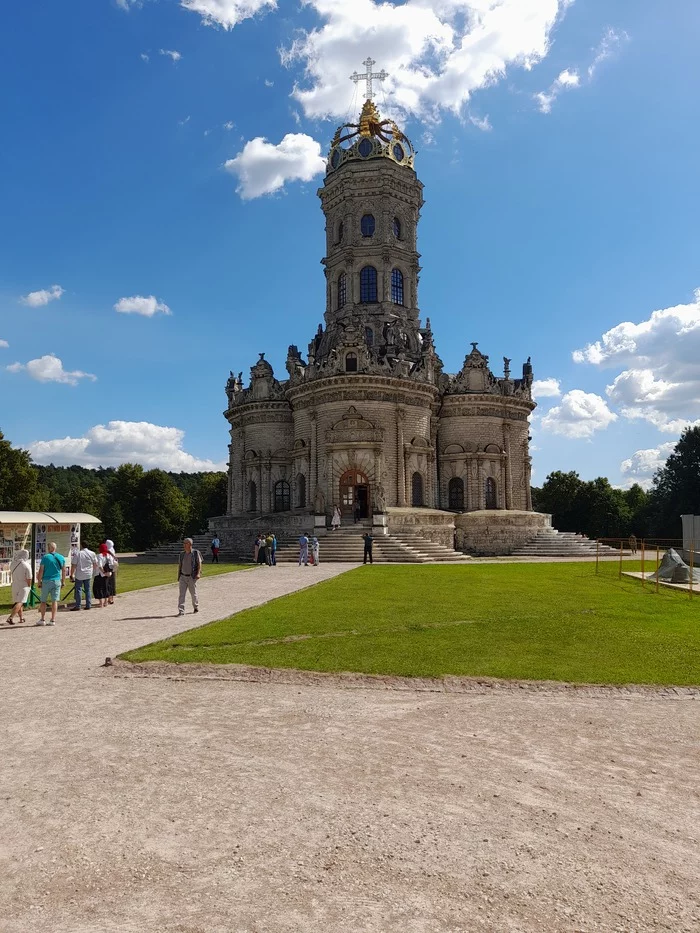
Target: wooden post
x=657, y=568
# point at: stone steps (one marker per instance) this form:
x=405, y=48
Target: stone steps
x=347, y=545
x=549, y=542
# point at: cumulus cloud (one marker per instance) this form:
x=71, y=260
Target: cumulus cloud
x=436, y=54
x=660, y=362
x=227, y=13
x=262, y=167
x=117, y=442
x=567, y=79
x=172, y=53
x=146, y=307
x=579, y=415
x=49, y=368
x=145, y=57
x=546, y=388
x=641, y=466
x=42, y=297
x=4, y=344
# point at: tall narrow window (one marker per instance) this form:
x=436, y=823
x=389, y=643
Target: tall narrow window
x=367, y=225
x=455, y=494
x=351, y=362
x=340, y=232
x=368, y=284
x=369, y=336
x=490, y=490
x=416, y=489
x=301, y=491
x=342, y=289
x=397, y=286
x=282, y=496
x=252, y=496
x=397, y=228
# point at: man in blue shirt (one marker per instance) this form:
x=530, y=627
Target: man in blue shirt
x=52, y=574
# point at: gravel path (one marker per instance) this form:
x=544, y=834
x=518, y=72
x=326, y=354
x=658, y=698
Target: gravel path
x=152, y=805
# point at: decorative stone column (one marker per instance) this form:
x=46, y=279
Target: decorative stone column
x=400, y=457
x=508, y=466
x=313, y=453
x=481, y=492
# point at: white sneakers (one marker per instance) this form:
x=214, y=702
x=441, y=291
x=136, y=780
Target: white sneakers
x=51, y=622
x=40, y=622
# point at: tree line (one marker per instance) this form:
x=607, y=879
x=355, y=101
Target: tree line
x=139, y=508
x=144, y=508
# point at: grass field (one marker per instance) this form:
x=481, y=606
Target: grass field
x=530, y=621
x=133, y=577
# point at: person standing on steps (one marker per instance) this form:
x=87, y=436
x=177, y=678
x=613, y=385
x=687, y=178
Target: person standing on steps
x=315, y=550
x=81, y=576
x=335, y=521
x=356, y=514
x=21, y=577
x=215, y=545
x=303, y=550
x=51, y=577
x=189, y=570
x=369, y=541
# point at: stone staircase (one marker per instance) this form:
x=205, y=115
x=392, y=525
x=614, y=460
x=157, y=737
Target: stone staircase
x=548, y=542
x=346, y=545
x=169, y=553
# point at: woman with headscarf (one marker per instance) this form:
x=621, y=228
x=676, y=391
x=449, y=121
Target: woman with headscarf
x=21, y=575
x=113, y=578
x=335, y=521
x=103, y=582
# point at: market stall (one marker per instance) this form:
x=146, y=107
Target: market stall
x=34, y=531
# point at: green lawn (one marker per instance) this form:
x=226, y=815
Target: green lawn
x=134, y=577
x=531, y=621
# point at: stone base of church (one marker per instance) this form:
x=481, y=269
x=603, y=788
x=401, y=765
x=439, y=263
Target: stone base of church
x=497, y=532
x=432, y=524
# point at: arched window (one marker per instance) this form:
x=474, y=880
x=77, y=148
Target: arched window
x=417, y=489
x=455, y=494
x=490, y=490
x=339, y=238
x=301, y=491
x=369, y=336
x=368, y=284
x=342, y=289
x=397, y=286
x=367, y=225
x=351, y=362
x=396, y=226
x=252, y=496
x=282, y=496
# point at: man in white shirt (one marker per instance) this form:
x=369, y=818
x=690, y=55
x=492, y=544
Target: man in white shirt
x=83, y=569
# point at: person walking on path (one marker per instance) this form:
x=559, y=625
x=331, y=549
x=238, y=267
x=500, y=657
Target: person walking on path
x=81, y=576
x=102, y=583
x=315, y=549
x=51, y=577
x=633, y=544
x=369, y=541
x=215, y=545
x=113, y=580
x=336, y=520
x=274, y=549
x=303, y=550
x=269, y=542
x=189, y=570
x=21, y=576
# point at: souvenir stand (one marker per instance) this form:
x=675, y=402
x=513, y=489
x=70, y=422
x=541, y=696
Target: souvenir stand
x=34, y=531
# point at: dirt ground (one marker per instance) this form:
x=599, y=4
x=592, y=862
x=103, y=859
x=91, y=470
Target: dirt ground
x=153, y=804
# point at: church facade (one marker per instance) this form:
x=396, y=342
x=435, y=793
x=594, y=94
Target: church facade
x=367, y=419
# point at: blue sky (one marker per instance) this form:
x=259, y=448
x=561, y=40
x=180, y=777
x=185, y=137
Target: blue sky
x=557, y=145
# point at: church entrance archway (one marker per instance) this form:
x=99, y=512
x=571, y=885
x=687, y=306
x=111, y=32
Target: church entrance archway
x=354, y=493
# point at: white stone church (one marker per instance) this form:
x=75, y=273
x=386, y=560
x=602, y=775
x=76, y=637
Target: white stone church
x=367, y=419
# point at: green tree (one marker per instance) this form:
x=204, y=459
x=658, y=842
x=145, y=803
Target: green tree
x=557, y=496
x=207, y=499
x=676, y=487
x=19, y=479
x=161, y=510
x=120, y=513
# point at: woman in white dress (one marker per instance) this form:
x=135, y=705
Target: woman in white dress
x=335, y=521
x=21, y=573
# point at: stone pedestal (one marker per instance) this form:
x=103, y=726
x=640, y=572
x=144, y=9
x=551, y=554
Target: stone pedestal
x=320, y=525
x=493, y=532
x=379, y=525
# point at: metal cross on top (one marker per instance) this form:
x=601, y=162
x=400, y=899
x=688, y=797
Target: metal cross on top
x=369, y=76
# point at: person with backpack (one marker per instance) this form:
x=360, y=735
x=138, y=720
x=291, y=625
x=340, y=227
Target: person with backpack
x=189, y=570
x=103, y=581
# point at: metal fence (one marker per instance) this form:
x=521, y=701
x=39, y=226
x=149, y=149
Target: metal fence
x=642, y=557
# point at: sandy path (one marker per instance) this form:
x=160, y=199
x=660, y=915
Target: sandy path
x=143, y=805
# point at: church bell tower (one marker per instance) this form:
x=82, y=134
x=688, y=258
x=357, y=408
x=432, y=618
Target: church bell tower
x=372, y=199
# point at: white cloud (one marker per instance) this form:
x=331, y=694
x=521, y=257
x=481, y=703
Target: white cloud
x=565, y=81
x=437, y=53
x=481, y=123
x=145, y=57
x=146, y=307
x=608, y=45
x=579, y=415
x=50, y=369
x=173, y=53
x=227, y=13
x=128, y=4
x=229, y=125
x=117, y=442
x=4, y=344
x=660, y=362
x=546, y=388
x=186, y=120
x=642, y=465
x=262, y=167
x=269, y=83
x=42, y=297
